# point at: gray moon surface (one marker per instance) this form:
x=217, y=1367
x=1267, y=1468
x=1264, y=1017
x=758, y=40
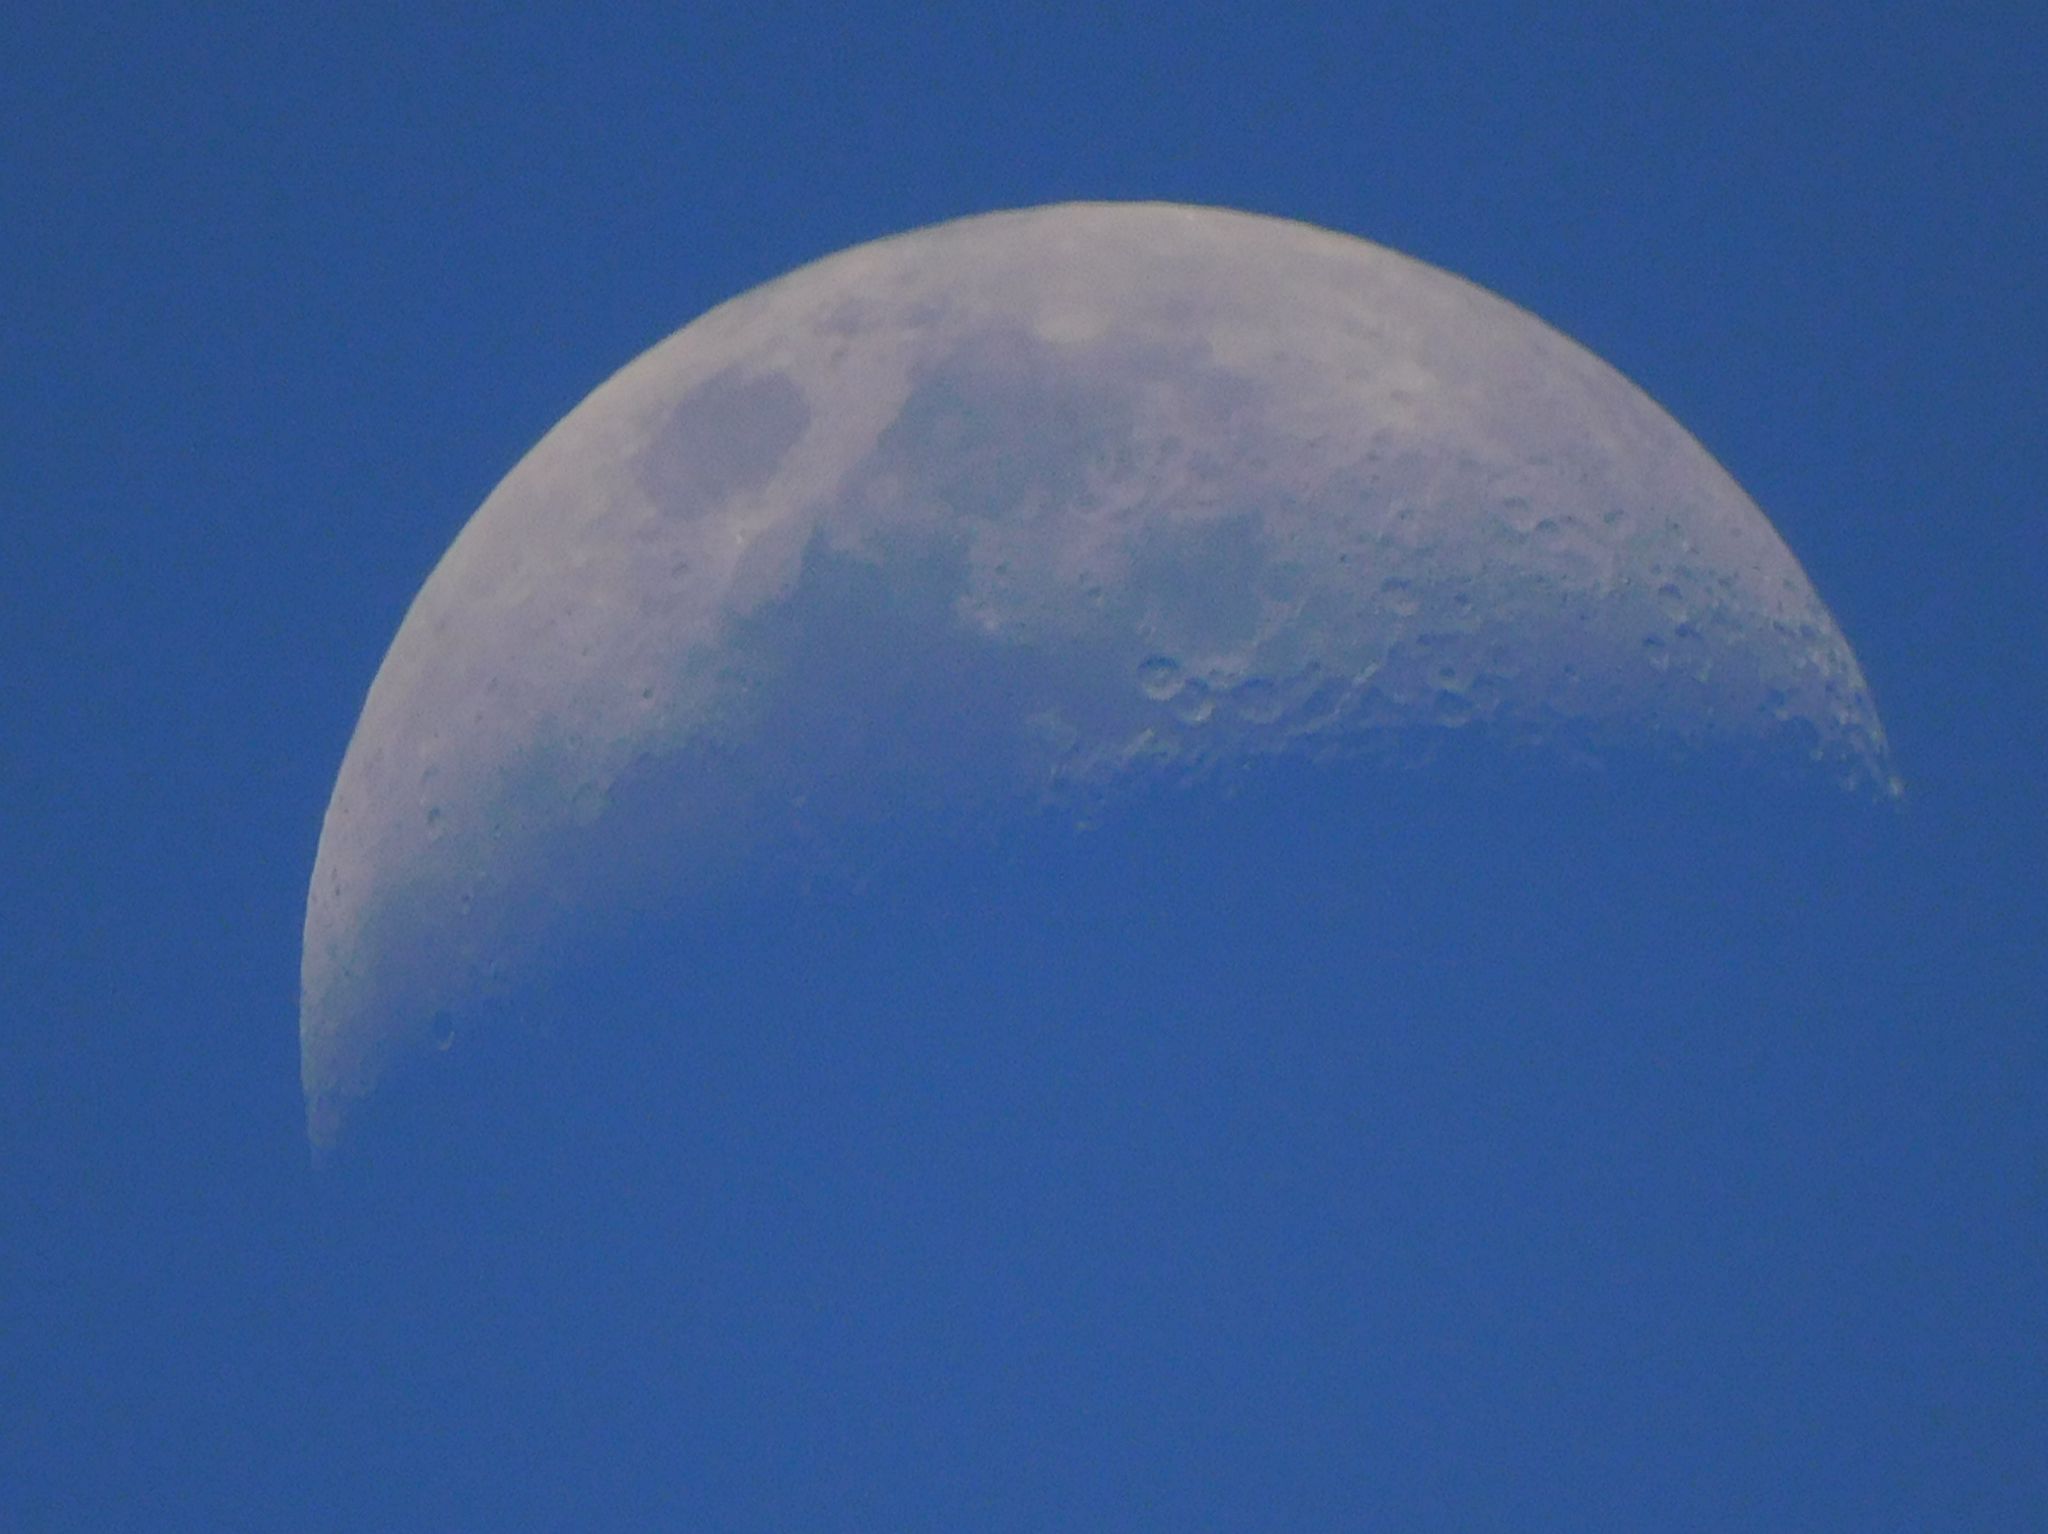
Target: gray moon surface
x=1019, y=511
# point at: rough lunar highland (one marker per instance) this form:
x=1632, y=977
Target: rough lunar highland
x=1012, y=511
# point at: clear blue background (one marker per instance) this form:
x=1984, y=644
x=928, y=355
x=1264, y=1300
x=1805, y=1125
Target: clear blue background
x=285, y=293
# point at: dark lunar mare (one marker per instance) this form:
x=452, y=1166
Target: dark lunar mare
x=1247, y=1135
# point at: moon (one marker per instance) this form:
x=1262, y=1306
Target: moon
x=1029, y=509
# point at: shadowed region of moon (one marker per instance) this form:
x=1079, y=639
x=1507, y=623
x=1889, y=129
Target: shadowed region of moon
x=1028, y=513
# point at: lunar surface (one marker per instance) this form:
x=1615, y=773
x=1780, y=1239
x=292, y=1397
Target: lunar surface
x=1022, y=511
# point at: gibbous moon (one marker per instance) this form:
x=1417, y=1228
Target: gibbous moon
x=1020, y=511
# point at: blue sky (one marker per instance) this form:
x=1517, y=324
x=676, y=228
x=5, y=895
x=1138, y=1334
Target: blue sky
x=285, y=295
